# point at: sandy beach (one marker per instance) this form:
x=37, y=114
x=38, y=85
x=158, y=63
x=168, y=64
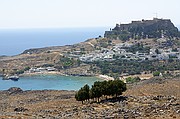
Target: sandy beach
x=105, y=77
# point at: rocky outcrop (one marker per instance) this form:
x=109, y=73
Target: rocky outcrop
x=155, y=28
x=20, y=109
x=15, y=90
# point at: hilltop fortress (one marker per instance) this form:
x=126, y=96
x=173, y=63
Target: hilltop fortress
x=156, y=28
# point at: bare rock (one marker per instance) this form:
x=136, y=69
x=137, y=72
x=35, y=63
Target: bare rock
x=20, y=109
x=15, y=90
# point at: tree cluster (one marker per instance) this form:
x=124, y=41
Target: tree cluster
x=99, y=89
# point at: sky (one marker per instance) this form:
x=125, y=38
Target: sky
x=83, y=13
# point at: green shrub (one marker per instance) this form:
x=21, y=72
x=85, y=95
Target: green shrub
x=156, y=73
x=132, y=80
x=19, y=72
x=26, y=68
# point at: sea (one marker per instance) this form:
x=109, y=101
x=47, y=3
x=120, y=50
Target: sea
x=48, y=82
x=15, y=41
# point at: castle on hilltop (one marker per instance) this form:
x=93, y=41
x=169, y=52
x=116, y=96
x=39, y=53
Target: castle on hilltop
x=156, y=28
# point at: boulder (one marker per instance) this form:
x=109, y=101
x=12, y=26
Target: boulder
x=15, y=90
x=20, y=109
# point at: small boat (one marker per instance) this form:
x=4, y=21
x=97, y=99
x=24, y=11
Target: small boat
x=14, y=77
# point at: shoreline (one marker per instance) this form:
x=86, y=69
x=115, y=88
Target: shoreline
x=105, y=77
x=43, y=73
x=99, y=76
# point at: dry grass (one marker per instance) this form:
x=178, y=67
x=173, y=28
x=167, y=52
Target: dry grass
x=167, y=87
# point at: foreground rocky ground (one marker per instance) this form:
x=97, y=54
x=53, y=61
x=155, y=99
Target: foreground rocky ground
x=148, y=99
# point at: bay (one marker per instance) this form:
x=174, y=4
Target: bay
x=49, y=82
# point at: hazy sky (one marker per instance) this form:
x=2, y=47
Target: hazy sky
x=83, y=13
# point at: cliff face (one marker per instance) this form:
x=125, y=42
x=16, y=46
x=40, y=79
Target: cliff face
x=155, y=28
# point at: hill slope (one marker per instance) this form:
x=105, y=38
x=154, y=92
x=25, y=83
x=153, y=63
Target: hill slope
x=157, y=100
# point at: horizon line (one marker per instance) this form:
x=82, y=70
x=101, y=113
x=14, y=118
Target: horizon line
x=6, y=28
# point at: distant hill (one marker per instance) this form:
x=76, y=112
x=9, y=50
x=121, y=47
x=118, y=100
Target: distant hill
x=155, y=28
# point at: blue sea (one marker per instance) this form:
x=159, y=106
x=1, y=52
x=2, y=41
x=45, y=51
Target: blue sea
x=50, y=82
x=15, y=41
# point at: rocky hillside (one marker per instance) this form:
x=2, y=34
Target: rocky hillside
x=157, y=99
x=155, y=28
x=51, y=55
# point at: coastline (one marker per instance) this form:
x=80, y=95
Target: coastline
x=100, y=76
x=105, y=77
x=43, y=73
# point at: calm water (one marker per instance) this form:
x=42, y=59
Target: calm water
x=53, y=82
x=15, y=41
